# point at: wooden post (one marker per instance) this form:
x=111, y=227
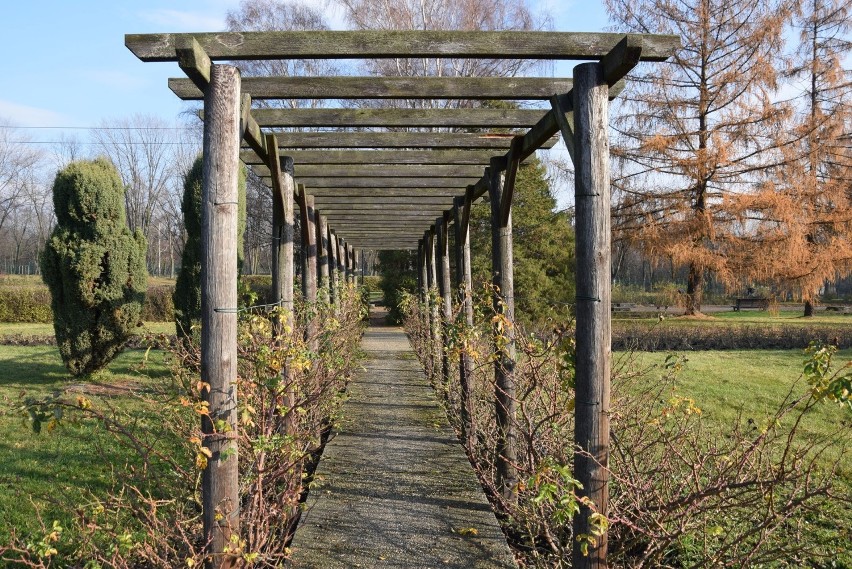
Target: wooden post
x=333, y=290
x=322, y=255
x=592, y=199
x=463, y=277
x=504, y=306
x=309, y=248
x=283, y=232
x=219, y=214
x=434, y=317
x=446, y=292
x=357, y=270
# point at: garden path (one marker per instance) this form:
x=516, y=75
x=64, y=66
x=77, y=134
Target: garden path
x=394, y=487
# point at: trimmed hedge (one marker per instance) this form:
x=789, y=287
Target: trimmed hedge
x=657, y=339
x=27, y=305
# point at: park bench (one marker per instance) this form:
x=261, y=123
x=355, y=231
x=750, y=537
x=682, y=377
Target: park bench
x=839, y=308
x=756, y=303
x=622, y=306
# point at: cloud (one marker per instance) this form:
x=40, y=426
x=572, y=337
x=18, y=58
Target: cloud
x=180, y=21
x=23, y=115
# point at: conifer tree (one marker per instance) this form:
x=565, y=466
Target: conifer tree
x=94, y=267
x=187, y=294
x=698, y=130
x=543, y=247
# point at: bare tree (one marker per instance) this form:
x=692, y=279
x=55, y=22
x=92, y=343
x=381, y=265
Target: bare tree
x=141, y=148
x=273, y=15
x=17, y=162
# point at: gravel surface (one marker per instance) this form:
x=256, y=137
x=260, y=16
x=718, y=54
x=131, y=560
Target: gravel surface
x=394, y=487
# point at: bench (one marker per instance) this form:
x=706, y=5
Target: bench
x=622, y=306
x=839, y=308
x=756, y=303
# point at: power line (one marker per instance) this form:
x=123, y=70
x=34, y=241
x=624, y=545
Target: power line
x=13, y=127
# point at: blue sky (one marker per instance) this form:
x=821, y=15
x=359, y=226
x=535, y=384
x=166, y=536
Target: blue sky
x=64, y=63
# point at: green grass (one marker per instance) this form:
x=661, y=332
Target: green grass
x=47, y=471
x=46, y=329
x=751, y=384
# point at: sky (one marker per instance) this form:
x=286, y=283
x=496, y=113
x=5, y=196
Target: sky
x=64, y=64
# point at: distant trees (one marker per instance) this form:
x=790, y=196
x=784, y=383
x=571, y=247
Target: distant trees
x=94, y=267
x=698, y=131
x=543, y=248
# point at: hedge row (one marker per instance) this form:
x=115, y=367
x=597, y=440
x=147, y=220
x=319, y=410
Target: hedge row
x=643, y=338
x=32, y=305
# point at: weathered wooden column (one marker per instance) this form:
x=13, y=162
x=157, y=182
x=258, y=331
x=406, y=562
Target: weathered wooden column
x=309, y=247
x=333, y=289
x=434, y=312
x=504, y=331
x=461, y=214
x=422, y=283
x=446, y=291
x=283, y=225
x=219, y=215
x=592, y=203
x=322, y=255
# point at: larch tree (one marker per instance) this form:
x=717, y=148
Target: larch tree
x=697, y=130
x=805, y=212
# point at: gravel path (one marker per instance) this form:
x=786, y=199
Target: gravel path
x=394, y=487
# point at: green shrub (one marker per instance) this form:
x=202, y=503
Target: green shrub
x=94, y=267
x=159, y=306
x=187, y=293
x=28, y=305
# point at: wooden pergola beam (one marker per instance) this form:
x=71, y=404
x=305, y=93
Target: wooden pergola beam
x=398, y=118
x=440, y=140
x=223, y=46
x=447, y=193
x=379, y=157
x=475, y=88
x=325, y=201
x=369, y=183
x=379, y=171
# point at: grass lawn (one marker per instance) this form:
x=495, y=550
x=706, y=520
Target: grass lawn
x=751, y=384
x=39, y=470
x=46, y=329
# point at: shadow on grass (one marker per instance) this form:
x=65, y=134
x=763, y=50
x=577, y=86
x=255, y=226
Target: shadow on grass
x=41, y=366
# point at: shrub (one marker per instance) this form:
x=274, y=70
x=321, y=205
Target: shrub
x=187, y=293
x=94, y=267
x=25, y=305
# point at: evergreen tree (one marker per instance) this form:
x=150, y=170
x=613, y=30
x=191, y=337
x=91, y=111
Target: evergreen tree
x=543, y=241
x=94, y=267
x=398, y=271
x=187, y=295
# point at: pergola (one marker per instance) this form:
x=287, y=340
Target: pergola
x=366, y=185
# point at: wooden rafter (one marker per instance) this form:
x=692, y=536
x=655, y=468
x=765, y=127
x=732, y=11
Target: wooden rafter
x=223, y=46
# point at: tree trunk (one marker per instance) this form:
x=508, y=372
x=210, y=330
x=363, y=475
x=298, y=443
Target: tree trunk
x=809, y=308
x=694, y=289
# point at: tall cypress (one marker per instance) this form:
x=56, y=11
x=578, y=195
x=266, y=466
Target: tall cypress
x=187, y=294
x=94, y=266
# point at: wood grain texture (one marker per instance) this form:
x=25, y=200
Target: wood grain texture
x=193, y=61
x=385, y=88
x=322, y=251
x=288, y=141
x=368, y=183
x=220, y=485
x=391, y=44
x=593, y=325
x=379, y=157
x=385, y=171
x=465, y=295
x=398, y=118
x=502, y=269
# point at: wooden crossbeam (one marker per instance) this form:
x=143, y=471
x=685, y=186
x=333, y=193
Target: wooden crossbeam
x=386, y=171
x=335, y=157
x=330, y=208
x=477, y=88
x=398, y=118
x=412, y=199
x=469, y=141
x=364, y=182
x=384, y=192
x=393, y=44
